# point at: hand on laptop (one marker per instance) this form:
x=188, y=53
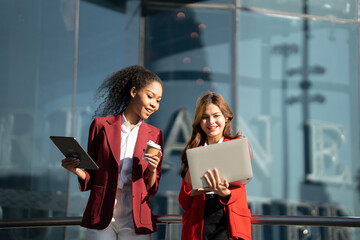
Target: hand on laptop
x=213, y=179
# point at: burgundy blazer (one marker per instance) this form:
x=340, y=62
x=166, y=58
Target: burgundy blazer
x=104, y=145
x=236, y=210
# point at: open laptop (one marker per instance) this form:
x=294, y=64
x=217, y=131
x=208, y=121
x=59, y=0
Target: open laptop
x=231, y=159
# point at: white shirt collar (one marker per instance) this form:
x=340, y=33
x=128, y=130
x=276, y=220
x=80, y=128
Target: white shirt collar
x=220, y=141
x=125, y=124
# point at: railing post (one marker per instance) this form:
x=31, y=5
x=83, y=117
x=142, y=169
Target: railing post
x=167, y=234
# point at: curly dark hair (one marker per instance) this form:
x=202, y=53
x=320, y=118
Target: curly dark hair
x=115, y=90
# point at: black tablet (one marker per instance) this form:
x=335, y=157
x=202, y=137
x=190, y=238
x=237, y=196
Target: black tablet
x=70, y=147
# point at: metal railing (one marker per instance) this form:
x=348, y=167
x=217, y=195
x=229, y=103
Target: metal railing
x=176, y=219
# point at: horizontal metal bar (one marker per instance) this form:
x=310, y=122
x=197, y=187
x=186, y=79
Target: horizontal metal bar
x=168, y=218
x=176, y=219
x=254, y=10
x=40, y=222
x=307, y=221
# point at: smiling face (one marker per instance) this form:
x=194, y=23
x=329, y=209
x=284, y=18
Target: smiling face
x=144, y=102
x=212, y=123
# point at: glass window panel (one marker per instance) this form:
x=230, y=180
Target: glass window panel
x=197, y=1
x=37, y=64
x=107, y=43
x=191, y=52
x=37, y=101
x=346, y=9
x=291, y=82
x=180, y=45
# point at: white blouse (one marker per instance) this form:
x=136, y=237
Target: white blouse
x=128, y=141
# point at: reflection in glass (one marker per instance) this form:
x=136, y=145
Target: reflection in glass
x=191, y=52
x=346, y=9
x=197, y=1
x=290, y=73
x=309, y=85
x=35, y=99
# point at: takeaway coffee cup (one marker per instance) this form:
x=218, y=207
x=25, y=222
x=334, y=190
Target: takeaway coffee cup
x=152, y=148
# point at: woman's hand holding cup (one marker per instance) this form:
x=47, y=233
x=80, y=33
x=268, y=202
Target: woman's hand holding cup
x=152, y=155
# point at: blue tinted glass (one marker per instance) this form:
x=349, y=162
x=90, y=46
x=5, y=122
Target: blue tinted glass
x=290, y=115
x=197, y=1
x=346, y=9
x=298, y=101
x=37, y=98
x=107, y=43
x=190, y=51
x=37, y=65
x=295, y=99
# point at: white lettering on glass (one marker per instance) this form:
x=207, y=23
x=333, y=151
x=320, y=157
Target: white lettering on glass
x=326, y=140
x=261, y=153
x=182, y=125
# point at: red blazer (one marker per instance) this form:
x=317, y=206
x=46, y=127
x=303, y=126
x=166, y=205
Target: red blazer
x=104, y=145
x=236, y=209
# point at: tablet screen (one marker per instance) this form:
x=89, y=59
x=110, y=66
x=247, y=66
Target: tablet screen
x=70, y=147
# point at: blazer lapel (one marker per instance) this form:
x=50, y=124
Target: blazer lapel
x=141, y=141
x=113, y=133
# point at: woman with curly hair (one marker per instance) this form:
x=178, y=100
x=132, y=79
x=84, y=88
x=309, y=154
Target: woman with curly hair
x=118, y=205
x=222, y=212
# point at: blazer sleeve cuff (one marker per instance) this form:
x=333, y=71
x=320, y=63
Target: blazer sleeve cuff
x=185, y=198
x=236, y=194
x=83, y=184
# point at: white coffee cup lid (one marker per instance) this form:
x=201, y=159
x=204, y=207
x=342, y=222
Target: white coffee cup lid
x=154, y=145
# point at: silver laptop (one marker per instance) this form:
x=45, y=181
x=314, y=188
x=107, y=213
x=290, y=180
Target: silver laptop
x=232, y=160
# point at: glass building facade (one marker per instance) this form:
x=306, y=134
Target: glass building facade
x=288, y=69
